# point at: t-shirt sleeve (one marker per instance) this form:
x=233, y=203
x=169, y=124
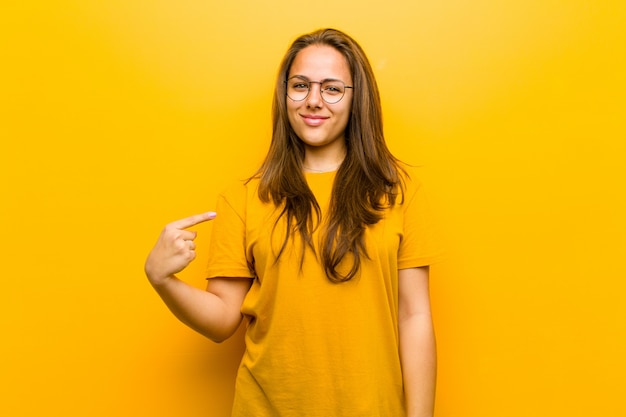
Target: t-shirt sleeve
x=227, y=248
x=421, y=243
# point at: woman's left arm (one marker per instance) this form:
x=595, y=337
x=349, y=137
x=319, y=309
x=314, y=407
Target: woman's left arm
x=417, y=342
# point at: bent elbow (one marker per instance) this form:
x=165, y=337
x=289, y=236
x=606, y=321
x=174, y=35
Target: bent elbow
x=219, y=338
x=223, y=334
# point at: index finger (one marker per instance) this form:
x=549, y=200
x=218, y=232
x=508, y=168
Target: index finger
x=194, y=220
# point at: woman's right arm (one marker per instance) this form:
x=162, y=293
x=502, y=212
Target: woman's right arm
x=215, y=313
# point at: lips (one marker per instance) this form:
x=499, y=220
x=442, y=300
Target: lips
x=312, y=119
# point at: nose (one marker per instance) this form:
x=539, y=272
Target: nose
x=314, y=99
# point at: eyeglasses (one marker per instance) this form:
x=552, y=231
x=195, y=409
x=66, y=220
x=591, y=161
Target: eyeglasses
x=332, y=91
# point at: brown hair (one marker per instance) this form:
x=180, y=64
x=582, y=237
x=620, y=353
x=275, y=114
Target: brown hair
x=368, y=180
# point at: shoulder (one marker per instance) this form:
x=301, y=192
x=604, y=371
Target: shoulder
x=411, y=178
x=239, y=189
x=237, y=194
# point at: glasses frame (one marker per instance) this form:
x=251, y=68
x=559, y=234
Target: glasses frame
x=309, y=82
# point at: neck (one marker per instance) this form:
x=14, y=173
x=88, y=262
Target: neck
x=326, y=169
x=324, y=160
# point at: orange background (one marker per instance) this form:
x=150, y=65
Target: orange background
x=120, y=116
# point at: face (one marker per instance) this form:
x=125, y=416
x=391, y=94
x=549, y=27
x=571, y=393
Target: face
x=320, y=126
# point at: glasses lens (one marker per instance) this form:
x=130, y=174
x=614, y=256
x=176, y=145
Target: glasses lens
x=332, y=91
x=297, y=88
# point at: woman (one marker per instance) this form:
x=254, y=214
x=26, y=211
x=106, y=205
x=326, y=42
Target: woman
x=324, y=251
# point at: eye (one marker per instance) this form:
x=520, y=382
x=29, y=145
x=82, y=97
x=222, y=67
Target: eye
x=298, y=84
x=332, y=88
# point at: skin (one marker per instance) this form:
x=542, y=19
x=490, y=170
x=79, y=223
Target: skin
x=417, y=342
x=215, y=313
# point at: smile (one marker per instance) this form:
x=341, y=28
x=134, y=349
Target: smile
x=313, y=120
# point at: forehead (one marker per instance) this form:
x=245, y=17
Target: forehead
x=320, y=62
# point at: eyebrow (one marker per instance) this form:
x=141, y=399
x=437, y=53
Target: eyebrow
x=308, y=79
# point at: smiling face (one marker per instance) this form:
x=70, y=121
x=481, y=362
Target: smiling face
x=319, y=125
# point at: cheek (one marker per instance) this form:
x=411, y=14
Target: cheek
x=292, y=107
x=345, y=118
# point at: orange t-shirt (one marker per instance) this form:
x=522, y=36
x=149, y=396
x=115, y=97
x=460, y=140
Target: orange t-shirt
x=316, y=348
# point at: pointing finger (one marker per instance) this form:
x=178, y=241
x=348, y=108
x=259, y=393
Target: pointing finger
x=193, y=220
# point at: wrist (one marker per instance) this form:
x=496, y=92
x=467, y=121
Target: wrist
x=157, y=278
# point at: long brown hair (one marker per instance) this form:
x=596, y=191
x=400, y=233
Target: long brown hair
x=368, y=180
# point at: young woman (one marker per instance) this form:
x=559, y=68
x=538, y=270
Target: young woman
x=324, y=252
